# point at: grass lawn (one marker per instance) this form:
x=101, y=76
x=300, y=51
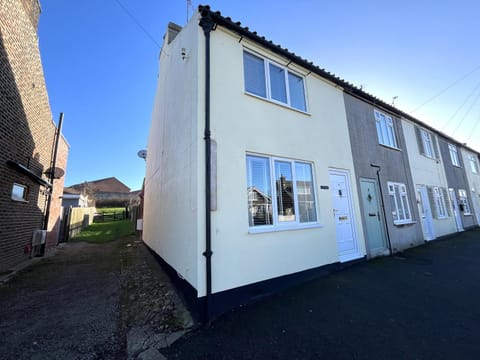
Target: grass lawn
x=105, y=231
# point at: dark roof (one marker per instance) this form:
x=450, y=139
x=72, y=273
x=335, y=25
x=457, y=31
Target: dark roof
x=111, y=184
x=349, y=88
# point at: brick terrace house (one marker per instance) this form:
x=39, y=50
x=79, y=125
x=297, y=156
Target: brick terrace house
x=27, y=137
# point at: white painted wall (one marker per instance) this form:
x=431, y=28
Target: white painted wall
x=242, y=123
x=474, y=184
x=171, y=216
x=426, y=171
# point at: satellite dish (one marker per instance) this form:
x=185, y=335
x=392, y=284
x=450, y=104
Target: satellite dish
x=142, y=154
x=55, y=173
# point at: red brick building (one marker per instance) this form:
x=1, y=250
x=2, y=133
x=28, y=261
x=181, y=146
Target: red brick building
x=27, y=137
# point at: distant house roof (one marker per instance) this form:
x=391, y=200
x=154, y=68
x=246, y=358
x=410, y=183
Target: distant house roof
x=107, y=185
x=349, y=88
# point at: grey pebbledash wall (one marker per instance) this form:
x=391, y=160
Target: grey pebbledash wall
x=394, y=167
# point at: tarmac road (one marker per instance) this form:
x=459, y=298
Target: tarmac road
x=422, y=304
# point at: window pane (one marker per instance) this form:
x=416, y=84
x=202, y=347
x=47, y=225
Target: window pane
x=19, y=192
x=254, y=73
x=401, y=214
x=284, y=187
x=394, y=208
x=406, y=207
x=379, y=133
x=297, y=91
x=305, y=192
x=259, y=191
x=277, y=83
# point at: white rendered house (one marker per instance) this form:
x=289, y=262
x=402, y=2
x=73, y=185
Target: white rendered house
x=250, y=181
x=428, y=173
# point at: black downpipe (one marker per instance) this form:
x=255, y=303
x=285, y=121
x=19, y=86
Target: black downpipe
x=383, y=206
x=207, y=25
x=52, y=177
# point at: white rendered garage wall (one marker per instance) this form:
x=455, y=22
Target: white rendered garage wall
x=426, y=171
x=171, y=195
x=242, y=123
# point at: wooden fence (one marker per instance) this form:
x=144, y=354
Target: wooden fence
x=74, y=220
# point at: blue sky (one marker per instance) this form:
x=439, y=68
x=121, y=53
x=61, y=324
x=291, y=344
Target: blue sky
x=101, y=66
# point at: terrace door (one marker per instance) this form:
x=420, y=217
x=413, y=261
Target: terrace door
x=343, y=214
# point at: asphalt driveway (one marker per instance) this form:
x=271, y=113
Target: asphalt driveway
x=422, y=304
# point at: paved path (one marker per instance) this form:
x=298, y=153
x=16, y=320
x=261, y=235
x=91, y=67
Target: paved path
x=422, y=305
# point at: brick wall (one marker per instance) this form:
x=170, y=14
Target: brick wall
x=27, y=130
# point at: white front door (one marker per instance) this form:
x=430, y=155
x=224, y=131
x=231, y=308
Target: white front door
x=343, y=213
x=425, y=213
x=456, y=210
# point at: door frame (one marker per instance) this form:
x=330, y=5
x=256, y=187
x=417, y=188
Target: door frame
x=456, y=214
x=356, y=254
x=381, y=217
x=429, y=232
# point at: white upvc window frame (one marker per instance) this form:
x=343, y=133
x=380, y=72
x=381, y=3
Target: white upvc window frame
x=385, y=129
x=452, y=149
x=473, y=163
x=277, y=223
x=19, y=192
x=440, y=205
x=403, y=205
x=463, y=200
x=427, y=144
x=268, y=89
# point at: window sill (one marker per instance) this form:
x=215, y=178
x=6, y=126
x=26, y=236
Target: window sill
x=390, y=147
x=271, y=101
x=404, y=223
x=19, y=201
x=267, y=229
x=442, y=217
x=457, y=166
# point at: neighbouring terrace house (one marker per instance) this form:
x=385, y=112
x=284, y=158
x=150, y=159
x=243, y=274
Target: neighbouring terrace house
x=31, y=184
x=250, y=181
x=472, y=170
x=387, y=192
x=458, y=187
x=428, y=172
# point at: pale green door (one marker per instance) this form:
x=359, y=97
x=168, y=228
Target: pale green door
x=372, y=212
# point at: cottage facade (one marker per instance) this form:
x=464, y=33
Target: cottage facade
x=431, y=187
x=472, y=170
x=458, y=187
x=283, y=195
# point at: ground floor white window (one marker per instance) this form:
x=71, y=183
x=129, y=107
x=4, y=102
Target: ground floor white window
x=280, y=192
x=463, y=202
x=399, y=201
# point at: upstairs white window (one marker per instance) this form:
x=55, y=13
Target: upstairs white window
x=385, y=129
x=463, y=202
x=473, y=163
x=427, y=144
x=399, y=201
x=439, y=198
x=280, y=192
x=272, y=81
x=454, y=155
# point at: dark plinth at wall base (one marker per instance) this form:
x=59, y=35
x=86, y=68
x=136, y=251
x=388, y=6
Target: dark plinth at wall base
x=227, y=300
